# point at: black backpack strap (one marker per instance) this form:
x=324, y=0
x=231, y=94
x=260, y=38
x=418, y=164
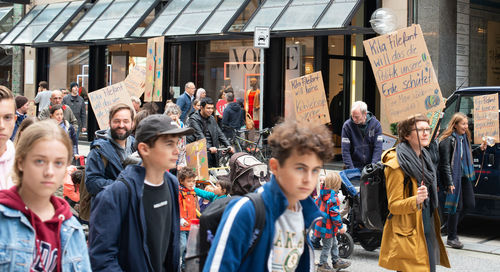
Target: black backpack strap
x=260, y=221
x=406, y=181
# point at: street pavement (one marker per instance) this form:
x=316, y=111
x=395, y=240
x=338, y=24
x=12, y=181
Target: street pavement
x=481, y=250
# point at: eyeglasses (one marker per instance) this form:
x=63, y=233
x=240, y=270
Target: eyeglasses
x=426, y=130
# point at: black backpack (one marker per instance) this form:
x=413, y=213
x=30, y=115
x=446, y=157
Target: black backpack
x=373, y=196
x=212, y=215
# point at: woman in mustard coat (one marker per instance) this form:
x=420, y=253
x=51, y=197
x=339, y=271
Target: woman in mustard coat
x=411, y=240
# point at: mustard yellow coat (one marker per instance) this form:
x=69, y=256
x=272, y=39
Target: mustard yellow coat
x=403, y=245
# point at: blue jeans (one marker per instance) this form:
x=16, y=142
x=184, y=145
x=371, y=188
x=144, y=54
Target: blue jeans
x=330, y=245
x=183, y=242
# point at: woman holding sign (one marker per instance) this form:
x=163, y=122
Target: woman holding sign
x=457, y=173
x=411, y=240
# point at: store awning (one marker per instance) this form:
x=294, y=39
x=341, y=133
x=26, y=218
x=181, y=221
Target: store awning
x=110, y=19
x=190, y=17
x=294, y=15
x=43, y=23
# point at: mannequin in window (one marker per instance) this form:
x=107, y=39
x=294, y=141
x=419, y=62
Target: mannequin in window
x=252, y=101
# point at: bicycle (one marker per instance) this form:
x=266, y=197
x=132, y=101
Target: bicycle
x=259, y=149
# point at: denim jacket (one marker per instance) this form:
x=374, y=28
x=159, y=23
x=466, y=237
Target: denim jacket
x=17, y=243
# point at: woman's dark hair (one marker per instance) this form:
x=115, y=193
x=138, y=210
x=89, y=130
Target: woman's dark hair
x=151, y=107
x=24, y=124
x=54, y=108
x=405, y=127
x=303, y=137
x=138, y=118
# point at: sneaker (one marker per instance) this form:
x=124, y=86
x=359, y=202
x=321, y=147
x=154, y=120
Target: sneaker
x=341, y=264
x=455, y=243
x=324, y=268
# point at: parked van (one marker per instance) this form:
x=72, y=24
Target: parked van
x=487, y=166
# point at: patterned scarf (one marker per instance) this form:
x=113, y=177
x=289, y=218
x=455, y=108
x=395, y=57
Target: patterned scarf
x=462, y=166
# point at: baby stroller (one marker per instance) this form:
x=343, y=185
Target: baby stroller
x=367, y=238
x=246, y=173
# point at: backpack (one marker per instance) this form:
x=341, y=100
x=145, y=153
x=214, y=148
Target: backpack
x=212, y=215
x=86, y=197
x=373, y=196
x=246, y=173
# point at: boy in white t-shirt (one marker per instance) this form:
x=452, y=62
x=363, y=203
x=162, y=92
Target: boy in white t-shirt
x=298, y=153
x=7, y=123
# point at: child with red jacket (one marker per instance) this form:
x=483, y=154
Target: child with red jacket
x=331, y=224
x=188, y=204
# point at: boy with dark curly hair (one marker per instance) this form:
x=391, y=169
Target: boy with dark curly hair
x=298, y=153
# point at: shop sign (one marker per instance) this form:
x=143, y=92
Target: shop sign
x=104, y=99
x=196, y=158
x=309, y=99
x=154, y=69
x=404, y=73
x=486, y=117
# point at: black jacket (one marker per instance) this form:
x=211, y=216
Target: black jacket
x=447, y=149
x=215, y=137
x=233, y=118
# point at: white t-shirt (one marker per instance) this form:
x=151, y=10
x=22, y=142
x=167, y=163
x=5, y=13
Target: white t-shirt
x=6, y=163
x=288, y=242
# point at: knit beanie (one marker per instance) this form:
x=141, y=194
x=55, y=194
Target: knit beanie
x=21, y=101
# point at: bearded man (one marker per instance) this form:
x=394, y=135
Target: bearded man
x=110, y=149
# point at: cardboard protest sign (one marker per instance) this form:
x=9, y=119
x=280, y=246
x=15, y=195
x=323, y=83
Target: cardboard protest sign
x=136, y=81
x=104, y=99
x=404, y=73
x=196, y=158
x=309, y=100
x=486, y=118
x=154, y=69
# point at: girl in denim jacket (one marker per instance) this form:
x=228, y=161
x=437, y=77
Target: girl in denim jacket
x=37, y=229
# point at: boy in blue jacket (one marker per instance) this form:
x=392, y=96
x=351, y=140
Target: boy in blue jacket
x=298, y=153
x=134, y=222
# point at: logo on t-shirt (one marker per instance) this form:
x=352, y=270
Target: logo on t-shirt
x=46, y=260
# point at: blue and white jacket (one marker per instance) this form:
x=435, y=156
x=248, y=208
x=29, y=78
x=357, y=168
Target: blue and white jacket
x=359, y=150
x=235, y=232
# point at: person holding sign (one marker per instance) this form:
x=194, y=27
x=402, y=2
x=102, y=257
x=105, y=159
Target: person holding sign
x=457, y=173
x=411, y=240
x=361, y=138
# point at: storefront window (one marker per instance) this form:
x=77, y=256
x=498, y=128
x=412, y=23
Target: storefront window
x=68, y=64
x=123, y=57
x=226, y=63
x=299, y=61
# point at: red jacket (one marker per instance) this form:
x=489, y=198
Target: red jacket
x=188, y=206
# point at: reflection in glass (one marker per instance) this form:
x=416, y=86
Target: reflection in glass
x=53, y=28
x=22, y=24
x=337, y=14
x=87, y=20
x=301, y=15
x=166, y=17
x=266, y=15
x=108, y=20
x=131, y=18
x=221, y=17
x=192, y=18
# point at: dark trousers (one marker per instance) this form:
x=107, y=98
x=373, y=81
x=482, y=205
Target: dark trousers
x=466, y=203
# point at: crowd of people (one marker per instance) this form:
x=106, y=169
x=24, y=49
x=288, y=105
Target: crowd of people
x=143, y=199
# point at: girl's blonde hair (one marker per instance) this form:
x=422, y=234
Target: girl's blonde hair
x=455, y=119
x=333, y=181
x=43, y=130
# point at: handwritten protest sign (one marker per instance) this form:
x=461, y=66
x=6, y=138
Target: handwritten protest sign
x=31, y=109
x=154, y=69
x=196, y=158
x=486, y=117
x=135, y=81
x=104, y=99
x=309, y=100
x=404, y=73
